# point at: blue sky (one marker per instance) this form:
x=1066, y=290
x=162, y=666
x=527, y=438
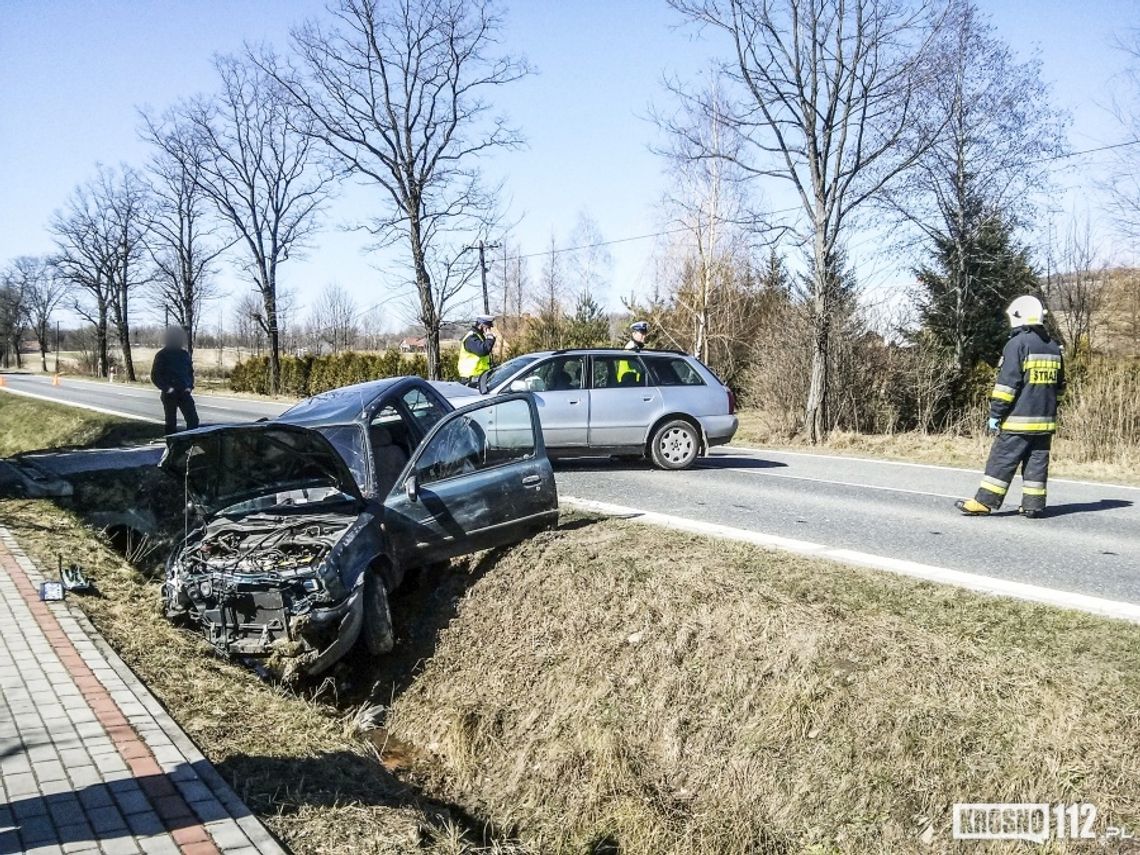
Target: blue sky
x=73, y=73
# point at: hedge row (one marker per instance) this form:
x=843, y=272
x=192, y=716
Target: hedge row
x=302, y=376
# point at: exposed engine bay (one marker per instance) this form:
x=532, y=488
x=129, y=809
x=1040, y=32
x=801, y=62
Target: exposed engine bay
x=269, y=583
x=265, y=544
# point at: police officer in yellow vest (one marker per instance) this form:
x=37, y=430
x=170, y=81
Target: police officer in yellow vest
x=1023, y=407
x=475, y=350
x=638, y=332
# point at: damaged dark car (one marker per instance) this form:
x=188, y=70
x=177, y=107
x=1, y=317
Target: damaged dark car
x=304, y=525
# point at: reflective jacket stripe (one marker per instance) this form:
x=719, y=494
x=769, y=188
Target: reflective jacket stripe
x=1029, y=424
x=1003, y=393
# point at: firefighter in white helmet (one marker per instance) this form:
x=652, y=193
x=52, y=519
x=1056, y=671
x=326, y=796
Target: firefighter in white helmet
x=1023, y=410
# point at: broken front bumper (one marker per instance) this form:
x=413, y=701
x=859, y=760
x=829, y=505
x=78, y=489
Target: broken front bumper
x=259, y=623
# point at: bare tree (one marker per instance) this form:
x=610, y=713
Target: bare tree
x=13, y=316
x=184, y=243
x=826, y=93
x=993, y=130
x=255, y=161
x=588, y=267
x=44, y=290
x=128, y=204
x=333, y=320
x=86, y=257
x=397, y=91
x=514, y=281
x=707, y=202
x=247, y=315
x=1078, y=294
x=1123, y=187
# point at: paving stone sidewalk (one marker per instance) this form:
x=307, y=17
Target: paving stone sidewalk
x=89, y=760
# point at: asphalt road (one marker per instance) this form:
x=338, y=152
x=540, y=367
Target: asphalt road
x=1089, y=543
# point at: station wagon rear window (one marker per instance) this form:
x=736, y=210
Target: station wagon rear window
x=672, y=371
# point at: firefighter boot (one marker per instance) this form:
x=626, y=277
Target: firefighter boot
x=972, y=507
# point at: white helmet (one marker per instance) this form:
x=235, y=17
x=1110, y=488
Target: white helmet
x=1025, y=311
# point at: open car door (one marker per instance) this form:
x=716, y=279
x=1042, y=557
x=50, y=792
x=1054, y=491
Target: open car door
x=480, y=479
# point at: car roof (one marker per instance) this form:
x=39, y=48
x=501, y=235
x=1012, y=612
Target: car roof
x=605, y=351
x=346, y=404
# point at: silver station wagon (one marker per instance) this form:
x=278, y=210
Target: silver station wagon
x=663, y=405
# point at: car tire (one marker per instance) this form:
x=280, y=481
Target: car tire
x=377, y=631
x=675, y=445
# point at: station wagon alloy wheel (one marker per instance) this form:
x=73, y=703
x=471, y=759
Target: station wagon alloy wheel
x=675, y=445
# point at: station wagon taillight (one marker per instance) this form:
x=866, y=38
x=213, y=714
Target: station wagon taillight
x=731, y=402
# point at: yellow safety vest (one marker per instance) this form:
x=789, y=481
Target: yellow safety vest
x=470, y=364
x=625, y=367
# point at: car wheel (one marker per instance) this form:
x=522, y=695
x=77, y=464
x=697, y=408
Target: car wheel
x=675, y=445
x=377, y=630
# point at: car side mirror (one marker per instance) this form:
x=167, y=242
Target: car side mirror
x=518, y=386
x=412, y=488
x=484, y=380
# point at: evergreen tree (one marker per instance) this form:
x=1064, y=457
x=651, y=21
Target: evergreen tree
x=966, y=289
x=588, y=326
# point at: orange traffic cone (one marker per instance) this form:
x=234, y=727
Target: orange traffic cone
x=3, y=382
x=55, y=380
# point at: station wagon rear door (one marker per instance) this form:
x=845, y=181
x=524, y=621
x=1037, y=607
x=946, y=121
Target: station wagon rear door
x=480, y=479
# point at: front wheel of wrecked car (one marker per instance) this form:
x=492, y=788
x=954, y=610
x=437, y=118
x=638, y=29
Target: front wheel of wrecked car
x=377, y=630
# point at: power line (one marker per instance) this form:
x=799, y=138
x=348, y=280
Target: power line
x=1088, y=151
x=667, y=232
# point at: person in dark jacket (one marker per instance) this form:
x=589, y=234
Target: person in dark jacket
x=1023, y=410
x=173, y=374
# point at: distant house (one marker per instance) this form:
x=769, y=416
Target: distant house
x=413, y=345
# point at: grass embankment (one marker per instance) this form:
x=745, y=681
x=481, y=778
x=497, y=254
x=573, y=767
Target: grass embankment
x=676, y=694
x=29, y=425
x=1069, y=459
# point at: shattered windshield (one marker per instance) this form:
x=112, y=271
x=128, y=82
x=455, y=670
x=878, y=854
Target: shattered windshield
x=348, y=440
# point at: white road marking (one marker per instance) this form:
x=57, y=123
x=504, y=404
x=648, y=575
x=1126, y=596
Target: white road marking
x=827, y=481
x=768, y=452
x=104, y=410
x=144, y=394
x=942, y=575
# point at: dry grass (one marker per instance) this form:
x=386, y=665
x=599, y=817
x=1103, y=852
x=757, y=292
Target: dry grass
x=595, y=689
x=1070, y=457
x=29, y=425
x=296, y=762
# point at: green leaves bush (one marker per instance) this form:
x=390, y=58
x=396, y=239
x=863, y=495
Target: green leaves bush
x=302, y=376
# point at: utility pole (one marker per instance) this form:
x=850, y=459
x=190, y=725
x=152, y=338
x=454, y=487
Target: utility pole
x=483, y=247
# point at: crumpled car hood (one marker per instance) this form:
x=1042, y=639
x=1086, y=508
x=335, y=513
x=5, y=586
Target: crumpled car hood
x=222, y=466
